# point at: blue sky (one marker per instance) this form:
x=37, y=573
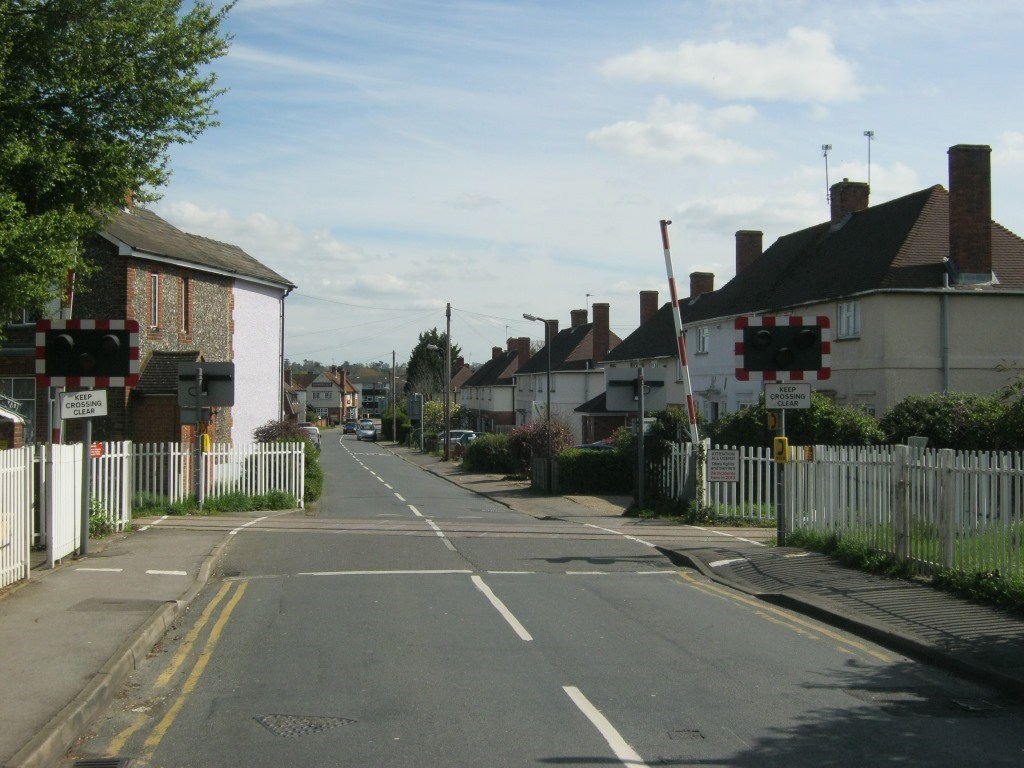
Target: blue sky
x=515, y=156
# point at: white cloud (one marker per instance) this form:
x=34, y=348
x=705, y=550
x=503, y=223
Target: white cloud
x=679, y=132
x=1010, y=149
x=803, y=66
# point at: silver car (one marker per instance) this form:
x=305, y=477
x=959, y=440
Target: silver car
x=366, y=430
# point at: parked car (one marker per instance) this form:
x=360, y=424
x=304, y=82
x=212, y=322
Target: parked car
x=350, y=427
x=366, y=430
x=608, y=444
x=312, y=432
x=457, y=435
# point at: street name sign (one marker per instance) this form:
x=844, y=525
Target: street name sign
x=83, y=405
x=778, y=395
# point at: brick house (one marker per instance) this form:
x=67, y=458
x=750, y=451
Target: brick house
x=921, y=293
x=195, y=299
x=574, y=354
x=488, y=395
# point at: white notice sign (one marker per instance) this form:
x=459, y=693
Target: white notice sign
x=83, y=405
x=723, y=466
x=793, y=394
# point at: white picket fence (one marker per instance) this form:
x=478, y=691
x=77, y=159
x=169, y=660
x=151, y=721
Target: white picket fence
x=41, y=489
x=944, y=508
x=17, y=494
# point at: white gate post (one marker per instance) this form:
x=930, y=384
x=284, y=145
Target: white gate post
x=947, y=507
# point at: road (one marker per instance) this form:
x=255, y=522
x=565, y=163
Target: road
x=407, y=622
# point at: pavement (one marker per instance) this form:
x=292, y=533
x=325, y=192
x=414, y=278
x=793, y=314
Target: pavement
x=72, y=635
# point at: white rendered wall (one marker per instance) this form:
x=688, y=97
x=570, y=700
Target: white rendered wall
x=256, y=345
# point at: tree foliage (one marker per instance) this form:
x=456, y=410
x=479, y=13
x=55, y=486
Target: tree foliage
x=425, y=370
x=92, y=96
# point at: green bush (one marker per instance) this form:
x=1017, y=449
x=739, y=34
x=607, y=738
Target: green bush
x=313, y=478
x=583, y=471
x=824, y=423
x=949, y=420
x=531, y=440
x=490, y=453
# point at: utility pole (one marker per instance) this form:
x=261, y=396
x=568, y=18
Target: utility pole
x=394, y=401
x=448, y=382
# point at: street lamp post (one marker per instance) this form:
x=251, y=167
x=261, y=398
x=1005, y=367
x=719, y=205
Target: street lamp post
x=547, y=343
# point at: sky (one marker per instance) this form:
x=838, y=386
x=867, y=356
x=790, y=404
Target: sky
x=389, y=157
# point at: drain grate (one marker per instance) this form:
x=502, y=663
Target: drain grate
x=104, y=762
x=295, y=726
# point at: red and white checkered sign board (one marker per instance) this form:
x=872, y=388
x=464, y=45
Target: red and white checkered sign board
x=131, y=380
x=771, y=321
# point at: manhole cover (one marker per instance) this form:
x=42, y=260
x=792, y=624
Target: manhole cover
x=923, y=703
x=294, y=726
x=686, y=734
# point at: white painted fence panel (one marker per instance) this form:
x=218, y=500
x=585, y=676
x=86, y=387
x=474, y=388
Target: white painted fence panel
x=63, y=501
x=17, y=491
x=111, y=483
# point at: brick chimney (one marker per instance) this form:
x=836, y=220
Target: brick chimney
x=497, y=352
x=648, y=305
x=521, y=347
x=749, y=247
x=701, y=282
x=970, y=212
x=288, y=376
x=579, y=317
x=460, y=363
x=848, y=197
x=601, y=331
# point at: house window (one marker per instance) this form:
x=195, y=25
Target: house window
x=154, y=300
x=703, y=337
x=849, y=320
x=185, y=301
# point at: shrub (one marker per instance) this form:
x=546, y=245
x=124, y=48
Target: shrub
x=949, y=420
x=583, y=471
x=489, y=453
x=289, y=432
x=530, y=440
x=824, y=423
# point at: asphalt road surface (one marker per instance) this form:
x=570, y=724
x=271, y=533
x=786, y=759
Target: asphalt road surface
x=408, y=622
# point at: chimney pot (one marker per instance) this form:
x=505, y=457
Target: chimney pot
x=970, y=211
x=848, y=197
x=749, y=247
x=701, y=282
x=648, y=305
x=601, y=332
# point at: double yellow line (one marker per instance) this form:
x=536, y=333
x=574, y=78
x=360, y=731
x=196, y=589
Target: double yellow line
x=177, y=664
x=790, y=621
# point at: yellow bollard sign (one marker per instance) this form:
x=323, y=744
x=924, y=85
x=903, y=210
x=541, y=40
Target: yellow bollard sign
x=781, y=447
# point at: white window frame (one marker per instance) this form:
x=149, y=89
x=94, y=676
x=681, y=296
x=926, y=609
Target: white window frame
x=154, y=300
x=703, y=340
x=848, y=320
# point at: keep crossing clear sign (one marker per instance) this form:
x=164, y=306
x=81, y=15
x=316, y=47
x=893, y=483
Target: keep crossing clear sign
x=787, y=395
x=83, y=405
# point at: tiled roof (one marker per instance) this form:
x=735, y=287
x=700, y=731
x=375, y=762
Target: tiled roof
x=159, y=373
x=900, y=244
x=497, y=370
x=145, y=231
x=572, y=349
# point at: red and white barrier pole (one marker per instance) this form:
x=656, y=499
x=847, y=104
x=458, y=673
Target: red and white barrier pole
x=687, y=389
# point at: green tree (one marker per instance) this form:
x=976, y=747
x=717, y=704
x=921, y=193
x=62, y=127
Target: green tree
x=92, y=96
x=425, y=370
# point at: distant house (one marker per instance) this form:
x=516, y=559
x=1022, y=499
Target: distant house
x=573, y=356
x=488, y=395
x=196, y=300
x=332, y=396
x=922, y=294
